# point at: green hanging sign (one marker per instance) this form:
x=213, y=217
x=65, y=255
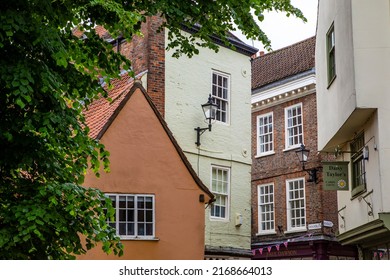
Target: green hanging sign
x=335, y=175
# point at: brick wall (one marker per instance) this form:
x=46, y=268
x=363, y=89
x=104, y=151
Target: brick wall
x=283, y=165
x=147, y=53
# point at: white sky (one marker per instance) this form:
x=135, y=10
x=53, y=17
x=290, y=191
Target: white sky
x=284, y=31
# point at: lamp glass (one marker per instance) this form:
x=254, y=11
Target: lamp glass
x=303, y=154
x=210, y=109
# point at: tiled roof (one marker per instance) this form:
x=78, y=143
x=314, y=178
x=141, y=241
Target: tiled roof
x=100, y=111
x=100, y=31
x=283, y=63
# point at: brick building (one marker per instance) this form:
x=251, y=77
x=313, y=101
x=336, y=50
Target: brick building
x=292, y=216
x=177, y=88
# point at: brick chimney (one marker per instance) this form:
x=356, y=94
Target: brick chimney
x=147, y=53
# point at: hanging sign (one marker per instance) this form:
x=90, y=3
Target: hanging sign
x=335, y=175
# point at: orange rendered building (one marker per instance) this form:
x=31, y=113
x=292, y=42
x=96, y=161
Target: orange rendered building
x=159, y=200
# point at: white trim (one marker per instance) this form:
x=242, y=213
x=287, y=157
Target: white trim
x=265, y=233
x=259, y=220
x=265, y=154
x=228, y=100
x=288, y=214
x=135, y=236
x=258, y=153
x=282, y=89
x=227, y=210
x=286, y=135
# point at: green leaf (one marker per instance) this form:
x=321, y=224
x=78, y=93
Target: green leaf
x=20, y=103
x=47, y=75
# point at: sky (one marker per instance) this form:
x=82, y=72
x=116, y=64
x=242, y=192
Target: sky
x=284, y=31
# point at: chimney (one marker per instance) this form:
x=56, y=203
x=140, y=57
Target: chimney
x=258, y=54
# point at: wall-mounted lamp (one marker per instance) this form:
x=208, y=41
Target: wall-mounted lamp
x=366, y=153
x=210, y=112
x=303, y=155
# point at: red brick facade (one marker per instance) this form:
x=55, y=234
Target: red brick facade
x=284, y=165
x=147, y=53
x=279, y=80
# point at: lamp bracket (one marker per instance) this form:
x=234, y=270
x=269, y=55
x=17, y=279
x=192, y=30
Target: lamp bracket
x=370, y=213
x=199, y=132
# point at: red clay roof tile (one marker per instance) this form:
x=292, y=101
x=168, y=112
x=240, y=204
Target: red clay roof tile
x=100, y=111
x=283, y=63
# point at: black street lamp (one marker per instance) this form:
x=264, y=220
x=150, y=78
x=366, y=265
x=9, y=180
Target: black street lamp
x=210, y=112
x=303, y=155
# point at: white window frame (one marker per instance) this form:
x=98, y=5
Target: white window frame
x=116, y=221
x=270, y=133
x=220, y=99
x=331, y=54
x=288, y=136
x=222, y=198
x=301, y=199
x=266, y=199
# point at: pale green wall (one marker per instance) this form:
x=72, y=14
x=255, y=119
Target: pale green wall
x=188, y=84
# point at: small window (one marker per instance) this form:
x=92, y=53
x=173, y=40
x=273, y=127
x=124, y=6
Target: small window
x=330, y=48
x=358, y=165
x=265, y=138
x=296, y=204
x=266, y=217
x=220, y=92
x=134, y=215
x=294, y=126
x=220, y=179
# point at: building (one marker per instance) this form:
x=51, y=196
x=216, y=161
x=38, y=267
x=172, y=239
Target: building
x=353, y=70
x=293, y=217
x=221, y=158
x=155, y=191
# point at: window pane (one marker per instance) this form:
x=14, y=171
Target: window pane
x=122, y=215
x=130, y=201
x=149, y=216
x=149, y=229
x=122, y=228
x=220, y=92
x=130, y=229
x=294, y=129
x=265, y=209
x=141, y=216
x=122, y=202
x=141, y=202
x=132, y=213
x=141, y=229
x=296, y=202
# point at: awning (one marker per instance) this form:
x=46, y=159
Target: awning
x=371, y=234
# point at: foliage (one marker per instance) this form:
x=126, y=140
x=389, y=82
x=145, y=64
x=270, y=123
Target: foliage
x=47, y=76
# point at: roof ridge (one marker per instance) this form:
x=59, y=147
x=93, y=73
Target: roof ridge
x=286, y=47
x=284, y=62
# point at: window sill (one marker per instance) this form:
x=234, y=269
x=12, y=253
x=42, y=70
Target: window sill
x=265, y=154
x=303, y=229
x=223, y=220
x=125, y=238
x=331, y=81
x=292, y=148
x=358, y=191
x=266, y=233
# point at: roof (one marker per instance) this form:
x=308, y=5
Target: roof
x=101, y=113
x=283, y=63
x=239, y=45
